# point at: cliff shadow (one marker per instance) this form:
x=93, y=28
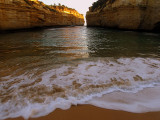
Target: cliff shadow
x=157, y=27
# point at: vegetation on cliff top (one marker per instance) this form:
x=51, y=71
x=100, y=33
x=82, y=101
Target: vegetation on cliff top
x=54, y=8
x=100, y=4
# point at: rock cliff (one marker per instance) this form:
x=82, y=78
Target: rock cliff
x=20, y=14
x=125, y=14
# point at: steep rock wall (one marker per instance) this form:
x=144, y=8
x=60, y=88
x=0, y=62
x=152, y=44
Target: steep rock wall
x=20, y=14
x=126, y=14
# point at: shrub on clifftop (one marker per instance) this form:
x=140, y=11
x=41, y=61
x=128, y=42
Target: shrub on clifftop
x=100, y=4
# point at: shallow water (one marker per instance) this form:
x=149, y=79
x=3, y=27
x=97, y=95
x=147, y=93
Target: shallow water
x=54, y=68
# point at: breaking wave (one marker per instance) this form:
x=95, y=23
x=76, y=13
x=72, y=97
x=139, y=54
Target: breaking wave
x=37, y=92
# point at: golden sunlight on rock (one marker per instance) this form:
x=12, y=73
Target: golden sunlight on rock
x=20, y=14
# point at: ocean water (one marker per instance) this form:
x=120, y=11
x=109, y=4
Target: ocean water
x=42, y=70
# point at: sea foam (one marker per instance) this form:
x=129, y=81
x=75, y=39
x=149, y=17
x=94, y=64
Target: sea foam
x=38, y=91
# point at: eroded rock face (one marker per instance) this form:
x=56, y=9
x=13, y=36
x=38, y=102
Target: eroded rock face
x=126, y=14
x=19, y=14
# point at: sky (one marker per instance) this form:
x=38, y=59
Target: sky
x=80, y=5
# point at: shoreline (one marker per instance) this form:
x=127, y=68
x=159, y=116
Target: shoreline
x=35, y=28
x=90, y=111
x=86, y=112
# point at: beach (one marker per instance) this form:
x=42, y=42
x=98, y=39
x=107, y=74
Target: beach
x=55, y=65
x=86, y=112
x=64, y=76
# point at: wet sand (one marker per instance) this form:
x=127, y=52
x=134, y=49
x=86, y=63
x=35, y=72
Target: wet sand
x=88, y=112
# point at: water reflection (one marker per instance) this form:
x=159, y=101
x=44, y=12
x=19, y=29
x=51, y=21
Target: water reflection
x=42, y=50
x=46, y=67
x=78, y=42
x=113, y=43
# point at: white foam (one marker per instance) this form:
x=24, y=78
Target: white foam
x=79, y=82
x=146, y=100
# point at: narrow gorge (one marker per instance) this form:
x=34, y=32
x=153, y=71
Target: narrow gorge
x=21, y=14
x=125, y=14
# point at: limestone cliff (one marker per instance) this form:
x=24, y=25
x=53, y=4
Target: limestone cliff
x=19, y=14
x=125, y=14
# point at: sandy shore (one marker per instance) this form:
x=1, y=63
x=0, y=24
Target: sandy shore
x=88, y=112
x=121, y=99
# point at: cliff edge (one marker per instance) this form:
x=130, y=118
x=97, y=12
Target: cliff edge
x=125, y=14
x=20, y=14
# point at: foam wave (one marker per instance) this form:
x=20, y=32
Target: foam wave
x=145, y=100
x=37, y=92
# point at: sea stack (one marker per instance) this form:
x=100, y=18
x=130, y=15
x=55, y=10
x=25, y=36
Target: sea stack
x=125, y=14
x=20, y=14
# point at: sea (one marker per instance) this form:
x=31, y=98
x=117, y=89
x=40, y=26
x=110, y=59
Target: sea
x=42, y=70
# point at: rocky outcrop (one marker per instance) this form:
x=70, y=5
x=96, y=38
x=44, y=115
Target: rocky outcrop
x=125, y=14
x=20, y=14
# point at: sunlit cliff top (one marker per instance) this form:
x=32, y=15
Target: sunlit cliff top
x=50, y=9
x=57, y=8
